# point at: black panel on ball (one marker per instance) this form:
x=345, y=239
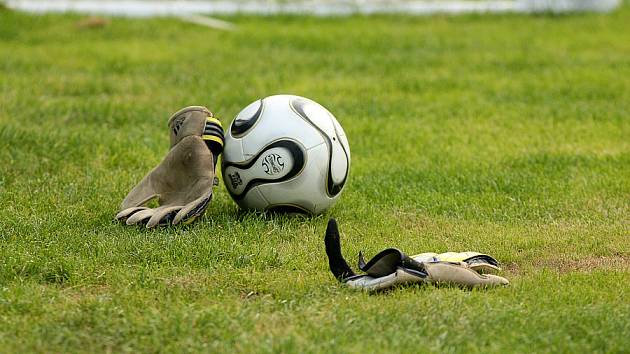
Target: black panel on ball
x=293, y=147
x=241, y=126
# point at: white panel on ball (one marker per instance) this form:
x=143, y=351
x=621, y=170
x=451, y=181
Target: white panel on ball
x=275, y=125
x=307, y=192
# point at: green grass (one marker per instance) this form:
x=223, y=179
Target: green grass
x=502, y=134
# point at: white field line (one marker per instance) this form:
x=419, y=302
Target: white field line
x=145, y=8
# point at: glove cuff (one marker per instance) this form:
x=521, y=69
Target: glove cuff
x=213, y=137
x=199, y=121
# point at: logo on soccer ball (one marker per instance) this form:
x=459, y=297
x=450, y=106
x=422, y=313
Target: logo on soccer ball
x=273, y=164
x=235, y=179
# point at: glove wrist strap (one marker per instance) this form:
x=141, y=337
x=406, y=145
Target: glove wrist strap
x=213, y=137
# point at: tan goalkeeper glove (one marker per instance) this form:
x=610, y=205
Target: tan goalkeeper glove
x=183, y=181
x=392, y=267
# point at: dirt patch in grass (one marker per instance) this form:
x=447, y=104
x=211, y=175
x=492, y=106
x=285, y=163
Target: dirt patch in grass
x=511, y=268
x=587, y=264
x=584, y=264
x=76, y=294
x=187, y=281
x=92, y=22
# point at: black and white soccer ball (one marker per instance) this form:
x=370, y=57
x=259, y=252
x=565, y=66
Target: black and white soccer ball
x=285, y=151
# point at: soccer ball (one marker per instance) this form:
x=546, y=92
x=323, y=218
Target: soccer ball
x=285, y=152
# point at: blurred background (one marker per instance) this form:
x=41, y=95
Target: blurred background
x=319, y=7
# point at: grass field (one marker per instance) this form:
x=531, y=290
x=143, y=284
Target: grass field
x=503, y=134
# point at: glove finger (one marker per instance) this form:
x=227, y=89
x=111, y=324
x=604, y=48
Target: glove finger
x=459, y=274
x=128, y=212
x=399, y=277
x=493, y=280
x=193, y=209
x=140, y=194
x=140, y=216
x=484, y=268
x=163, y=215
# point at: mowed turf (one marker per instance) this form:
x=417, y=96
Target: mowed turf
x=502, y=134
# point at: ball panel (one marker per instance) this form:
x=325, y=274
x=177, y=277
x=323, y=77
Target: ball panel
x=288, y=209
x=324, y=122
x=339, y=162
x=315, y=114
x=232, y=149
x=341, y=134
x=344, y=142
x=278, y=121
x=278, y=161
x=308, y=189
x=253, y=200
x=273, y=164
x=246, y=119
